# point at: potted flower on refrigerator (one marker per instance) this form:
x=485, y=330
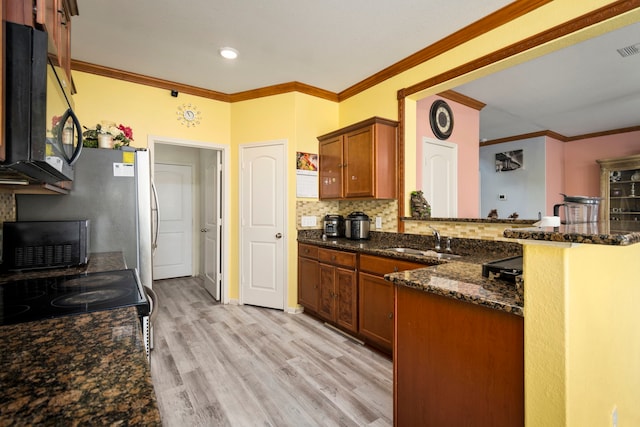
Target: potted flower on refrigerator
x=107, y=135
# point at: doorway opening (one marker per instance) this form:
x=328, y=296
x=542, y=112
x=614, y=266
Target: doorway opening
x=193, y=197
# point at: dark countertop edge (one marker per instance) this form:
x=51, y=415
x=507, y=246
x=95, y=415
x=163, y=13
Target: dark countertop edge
x=568, y=234
x=509, y=305
x=482, y=220
x=466, y=297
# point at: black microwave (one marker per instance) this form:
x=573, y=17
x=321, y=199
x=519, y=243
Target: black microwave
x=42, y=134
x=31, y=245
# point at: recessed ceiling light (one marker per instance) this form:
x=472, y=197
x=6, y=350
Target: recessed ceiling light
x=228, y=53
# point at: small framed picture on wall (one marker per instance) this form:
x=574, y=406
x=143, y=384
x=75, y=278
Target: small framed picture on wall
x=509, y=160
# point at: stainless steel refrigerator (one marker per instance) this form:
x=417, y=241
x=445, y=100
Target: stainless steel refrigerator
x=113, y=189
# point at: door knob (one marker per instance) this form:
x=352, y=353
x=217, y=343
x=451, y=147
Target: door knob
x=279, y=236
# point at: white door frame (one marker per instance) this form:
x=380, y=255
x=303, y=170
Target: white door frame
x=285, y=198
x=226, y=209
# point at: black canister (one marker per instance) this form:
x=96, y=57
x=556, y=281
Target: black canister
x=333, y=225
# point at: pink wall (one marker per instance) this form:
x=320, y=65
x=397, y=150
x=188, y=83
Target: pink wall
x=582, y=173
x=466, y=134
x=554, y=173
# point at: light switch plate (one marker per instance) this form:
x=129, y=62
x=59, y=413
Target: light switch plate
x=378, y=222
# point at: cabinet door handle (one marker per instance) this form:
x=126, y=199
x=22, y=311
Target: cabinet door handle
x=354, y=178
x=395, y=269
x=390, y=315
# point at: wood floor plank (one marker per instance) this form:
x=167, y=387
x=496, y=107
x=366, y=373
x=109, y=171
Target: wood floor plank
x=228, y=365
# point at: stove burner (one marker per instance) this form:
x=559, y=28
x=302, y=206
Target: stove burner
x=90, y=297
x=89, y=281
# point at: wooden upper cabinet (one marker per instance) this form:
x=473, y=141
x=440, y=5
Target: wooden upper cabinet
x=331, y=165
x=54, y=17
x=359, y=161
x=18, y=11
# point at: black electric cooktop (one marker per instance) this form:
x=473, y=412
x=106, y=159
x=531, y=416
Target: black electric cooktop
x=27, y=300
x=505, y=269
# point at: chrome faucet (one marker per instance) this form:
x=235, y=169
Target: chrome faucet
x=436, y=235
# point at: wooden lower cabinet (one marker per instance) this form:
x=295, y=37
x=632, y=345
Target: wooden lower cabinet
x=339, y=289
x=456, y=363
x=338, y=296
x=375, y=299
x=308, y=277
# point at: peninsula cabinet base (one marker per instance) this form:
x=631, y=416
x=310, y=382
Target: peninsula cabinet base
x=456, y=363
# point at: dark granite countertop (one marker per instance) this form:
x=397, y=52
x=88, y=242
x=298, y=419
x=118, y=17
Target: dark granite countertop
x=86, y=369
x=613, y=233
x=89, y=369
x=460, y=279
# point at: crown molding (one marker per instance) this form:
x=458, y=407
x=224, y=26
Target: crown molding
x=462, y=99
x=559, y=137
x=127, y=76
x=594, y=17
x=484, y=25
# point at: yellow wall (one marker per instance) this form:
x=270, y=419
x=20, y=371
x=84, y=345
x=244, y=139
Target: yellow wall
x=147, y=110
x=603, y=340
x=582, y=340
x=298, y=119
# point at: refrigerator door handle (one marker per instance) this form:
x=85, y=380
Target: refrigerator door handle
x=156, y=220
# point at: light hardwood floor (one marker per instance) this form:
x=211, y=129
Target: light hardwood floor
x=229, y=365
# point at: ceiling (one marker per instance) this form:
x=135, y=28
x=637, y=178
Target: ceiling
x=335, y=44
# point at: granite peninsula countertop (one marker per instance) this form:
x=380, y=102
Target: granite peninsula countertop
x=87, y=369
x=612, y=233
x=460, y=278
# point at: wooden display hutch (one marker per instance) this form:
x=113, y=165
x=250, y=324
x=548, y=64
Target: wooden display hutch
x=620, y=191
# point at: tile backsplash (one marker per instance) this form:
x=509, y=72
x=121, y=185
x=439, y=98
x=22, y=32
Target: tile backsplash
x=388, y=211
x=385, y=209
x=7, y=207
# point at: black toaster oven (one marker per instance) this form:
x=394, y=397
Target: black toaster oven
x=30, y=245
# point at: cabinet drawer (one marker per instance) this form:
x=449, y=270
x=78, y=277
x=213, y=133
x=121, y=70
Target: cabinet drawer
x=381, y=265
x=307, y=251
x=329, y=256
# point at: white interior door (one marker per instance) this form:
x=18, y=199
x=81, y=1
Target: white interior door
x=174, y=254
x=211, y=230
x=440, y=177
x=262, y=200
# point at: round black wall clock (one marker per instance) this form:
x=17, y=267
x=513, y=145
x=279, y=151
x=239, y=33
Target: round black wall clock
x=441, y=119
